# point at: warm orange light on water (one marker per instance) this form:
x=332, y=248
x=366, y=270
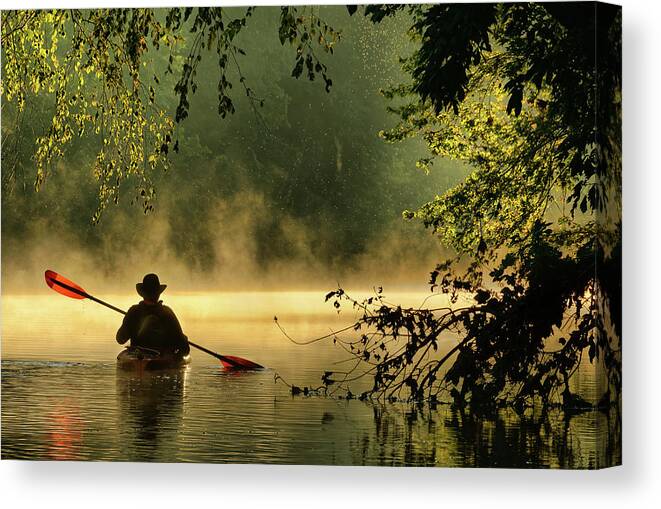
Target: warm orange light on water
x=65, y=436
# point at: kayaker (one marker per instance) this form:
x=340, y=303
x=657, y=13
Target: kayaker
x=151, y=325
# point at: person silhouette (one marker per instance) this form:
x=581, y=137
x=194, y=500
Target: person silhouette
x=150, y=325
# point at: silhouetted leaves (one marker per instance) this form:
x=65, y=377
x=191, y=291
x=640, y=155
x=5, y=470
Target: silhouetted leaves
x=306, y=31
x=504, y=355
x=516, y=98
x=524, y=117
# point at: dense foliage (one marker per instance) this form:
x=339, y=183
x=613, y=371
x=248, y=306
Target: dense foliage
x=103, y=67
x=528, y=95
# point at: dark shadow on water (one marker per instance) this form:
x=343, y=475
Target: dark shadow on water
x=150, y=413
x=446, y=437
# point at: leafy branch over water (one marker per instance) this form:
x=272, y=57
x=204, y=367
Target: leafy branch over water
x=103, y=71
x=520, y=93
x=513, y=344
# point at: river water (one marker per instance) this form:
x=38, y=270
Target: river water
x=64, y=399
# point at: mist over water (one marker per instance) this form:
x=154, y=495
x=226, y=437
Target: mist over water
x=301, y=193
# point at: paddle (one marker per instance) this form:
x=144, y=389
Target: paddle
x=70, y=289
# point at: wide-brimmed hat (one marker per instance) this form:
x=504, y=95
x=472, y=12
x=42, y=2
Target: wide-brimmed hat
x=150, y=286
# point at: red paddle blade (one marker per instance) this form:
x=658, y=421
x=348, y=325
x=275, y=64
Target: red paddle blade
x=239, y=363
x=64, y=286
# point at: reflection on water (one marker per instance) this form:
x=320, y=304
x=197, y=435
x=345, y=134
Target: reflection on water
x=201, y=414
x=65, y=431
x=61, y=402
x=151, y=405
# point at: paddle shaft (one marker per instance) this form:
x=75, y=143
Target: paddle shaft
x=91, y=297
x=216, y=355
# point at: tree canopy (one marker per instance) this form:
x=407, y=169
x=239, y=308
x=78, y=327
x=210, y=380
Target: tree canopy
x=527, y=95
x=102, y=67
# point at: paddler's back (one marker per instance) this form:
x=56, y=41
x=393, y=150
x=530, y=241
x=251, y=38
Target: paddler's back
x=155, y=326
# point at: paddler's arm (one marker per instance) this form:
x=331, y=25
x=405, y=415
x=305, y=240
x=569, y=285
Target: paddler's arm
x=124, y=332
x=178, y=331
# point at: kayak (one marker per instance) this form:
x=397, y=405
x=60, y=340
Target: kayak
x=136, y=359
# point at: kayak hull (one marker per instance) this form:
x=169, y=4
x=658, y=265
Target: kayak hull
x=137, y=361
